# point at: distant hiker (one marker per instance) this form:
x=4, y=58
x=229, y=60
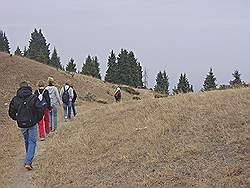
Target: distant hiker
x=55, y=103
x=44, y=100
x=118, y=94
x=74, y=100
x=24, y=109
x=67, y=95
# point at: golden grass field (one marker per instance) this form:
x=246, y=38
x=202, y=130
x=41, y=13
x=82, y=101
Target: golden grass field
x=196, y=139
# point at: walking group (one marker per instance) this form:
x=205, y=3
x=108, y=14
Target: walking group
x=40, y=108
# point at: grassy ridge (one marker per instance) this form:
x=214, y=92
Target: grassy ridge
x=186, y=140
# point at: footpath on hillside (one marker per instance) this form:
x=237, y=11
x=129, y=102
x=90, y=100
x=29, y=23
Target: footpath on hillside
x=19, y=176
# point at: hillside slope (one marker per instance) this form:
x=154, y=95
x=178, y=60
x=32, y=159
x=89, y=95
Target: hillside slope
x=188, y=140
x=15, y=69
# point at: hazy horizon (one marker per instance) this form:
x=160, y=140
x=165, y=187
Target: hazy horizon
x=174, y=35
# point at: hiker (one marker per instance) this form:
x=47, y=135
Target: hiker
x=24, y=109
x=67, y=95
x=55, y=103
x=118, y=94
x=44, y=100
x=74, y=100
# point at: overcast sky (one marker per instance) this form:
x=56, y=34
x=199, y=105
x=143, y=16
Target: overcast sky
x=176, y=35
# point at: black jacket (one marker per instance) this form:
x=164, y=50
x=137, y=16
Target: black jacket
x=22, y=94
x=74, y=97
x=45, y=95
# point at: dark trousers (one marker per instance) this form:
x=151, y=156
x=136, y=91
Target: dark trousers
x=74, y=109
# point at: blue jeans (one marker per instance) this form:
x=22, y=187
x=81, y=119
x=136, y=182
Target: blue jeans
x=53, y=118
x=30, y=137
x=67, y=110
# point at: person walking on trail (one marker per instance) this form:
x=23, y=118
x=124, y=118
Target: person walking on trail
x=26, y=111
x=55, y=103
x=74, y=100
x=118, y=94
x=43, y=95
x=67, y=95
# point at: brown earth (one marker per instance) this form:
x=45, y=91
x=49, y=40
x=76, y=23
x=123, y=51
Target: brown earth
x=197, y=139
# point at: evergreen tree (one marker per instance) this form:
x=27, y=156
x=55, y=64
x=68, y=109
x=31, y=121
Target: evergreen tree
x=123, y=68
x=91, y=67
x=55, y=60
x=183, y=86
x=111, y=73
x=4, y=43
x=159, y=84
x=96, y=65
x=209, y=83
x=162, y=83
x=237, y=80
x=38, y=47
x=71, y=66
x=25, y=51
x=165, y=83
x=18, y=51
x=129, y=70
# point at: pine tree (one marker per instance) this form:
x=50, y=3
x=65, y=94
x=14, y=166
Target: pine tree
x=96, y=72
x=129, y=70
x=4, y=43
x=55, y=60
x=159, y=84
x=183, y=86
x=38, y=47
x=237, y=80
x=209, y=83
x=123, y=68
x=24, y=51
x=165, y=83
x=162, y=83
x=71, y=66
x=18, y=51
x=111, y=73
x=91, y=67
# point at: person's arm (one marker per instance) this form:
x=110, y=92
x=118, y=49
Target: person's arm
x=71, y=93
x=12, y=109
x=57, y=95
x=75, y=95
x=61, y=92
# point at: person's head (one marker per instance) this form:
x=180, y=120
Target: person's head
x=41, y=84
x=23, y=84
x=50, y=81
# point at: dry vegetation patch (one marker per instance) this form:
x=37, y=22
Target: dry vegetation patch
x=186, y=140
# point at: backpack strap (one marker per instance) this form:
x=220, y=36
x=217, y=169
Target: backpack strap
x=41, y=93
x=66, y=89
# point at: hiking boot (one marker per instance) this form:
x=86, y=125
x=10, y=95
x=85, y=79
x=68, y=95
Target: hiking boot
x=28, y=167
x=42, y=139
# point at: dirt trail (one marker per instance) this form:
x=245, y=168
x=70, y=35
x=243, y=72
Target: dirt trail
x=22, y=178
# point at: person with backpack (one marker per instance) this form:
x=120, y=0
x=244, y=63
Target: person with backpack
x=67, y=95
x=74, y=100
x=24, y=108
x=44, y=101
x=118, y=94
x=55, y=103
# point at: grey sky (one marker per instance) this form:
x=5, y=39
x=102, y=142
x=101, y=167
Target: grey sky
x=176, y=35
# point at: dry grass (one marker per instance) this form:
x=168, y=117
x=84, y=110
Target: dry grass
x=15, y=69
x=188, y=140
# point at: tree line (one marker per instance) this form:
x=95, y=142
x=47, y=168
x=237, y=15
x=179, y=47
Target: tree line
x=183, y=85
x=123, y=68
